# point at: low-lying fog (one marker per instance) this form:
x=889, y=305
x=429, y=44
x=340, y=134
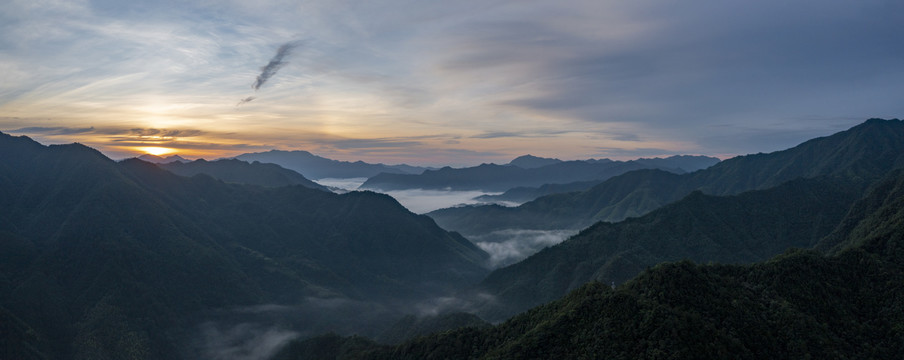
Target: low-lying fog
x=509, y=246
x=419, y=201
x=505, y=247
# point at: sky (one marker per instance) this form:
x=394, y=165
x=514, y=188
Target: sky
x=446, y=82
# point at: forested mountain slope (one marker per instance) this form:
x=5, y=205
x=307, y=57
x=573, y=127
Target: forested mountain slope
x=744, y=228
x=801, y=304
x=101, y=259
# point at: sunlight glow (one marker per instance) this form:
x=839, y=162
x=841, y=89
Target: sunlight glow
x=156, y=151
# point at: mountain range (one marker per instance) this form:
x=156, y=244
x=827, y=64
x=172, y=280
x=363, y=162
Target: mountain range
x=106, y=260
x=317, y=167
x=535, y=172
x=861, y=155
x=161, y=159
x=102, y=259
x=845, y=303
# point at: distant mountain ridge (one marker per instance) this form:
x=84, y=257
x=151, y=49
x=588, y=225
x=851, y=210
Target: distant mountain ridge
x=539, y=171
x=162, y=160
x=530, y=162
x=861, y=154
x=316, y=167
x=104, y=259
x=242, y=172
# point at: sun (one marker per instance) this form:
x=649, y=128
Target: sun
x=156, y=150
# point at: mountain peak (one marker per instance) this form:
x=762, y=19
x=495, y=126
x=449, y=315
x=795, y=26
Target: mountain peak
x=529, y=161
x=162, y=160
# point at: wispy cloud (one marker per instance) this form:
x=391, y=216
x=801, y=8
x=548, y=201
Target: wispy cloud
x=55, y=130
x=637, y=152
x=245, y=101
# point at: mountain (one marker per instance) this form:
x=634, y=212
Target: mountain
x=411, y=326
x=162, y=160
x=316, y=167
x=861, y=154
x=745, y=228
x=678, y=164
x=241, y=172
x=524, y=194
x=801, y=304
x=530, y=162
x=492, y=177
x=103, y=259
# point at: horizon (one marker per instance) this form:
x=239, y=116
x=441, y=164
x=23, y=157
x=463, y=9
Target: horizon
x=164, y=153
x=456, y=84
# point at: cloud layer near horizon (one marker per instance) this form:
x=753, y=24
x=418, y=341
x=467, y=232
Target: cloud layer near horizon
x=428, y=82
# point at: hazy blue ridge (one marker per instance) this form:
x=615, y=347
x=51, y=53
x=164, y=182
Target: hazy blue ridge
x=241, y=172
x=537, y=172
x=317, y=167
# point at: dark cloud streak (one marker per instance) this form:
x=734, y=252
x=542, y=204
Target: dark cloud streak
x=277, y=62
x=245, y=100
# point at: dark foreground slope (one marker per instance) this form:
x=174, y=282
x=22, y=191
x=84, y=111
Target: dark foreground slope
x=801, y=304
x=100, y=259
x=241, y=172
x=862, y=154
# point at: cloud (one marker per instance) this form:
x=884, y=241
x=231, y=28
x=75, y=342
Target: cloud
x=512, y=245
x=521, y=134
x=469, y=303
x=247, y=341
x=55, y=130
x=497, y=134
x=164, y=133
x=676, y=67
x=373, y=143
x=245, y=100
x=625, y=137
x=421, y=201
x=636, y=152
x=276, y=63
x=673, y=70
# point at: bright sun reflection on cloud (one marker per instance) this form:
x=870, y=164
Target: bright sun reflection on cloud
x=156, y=150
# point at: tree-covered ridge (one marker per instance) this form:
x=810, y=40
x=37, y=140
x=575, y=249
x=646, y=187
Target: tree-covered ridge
x=861, y=154
x=744, y=228
x=801, y=304
x=109, y=260
x=241, y=172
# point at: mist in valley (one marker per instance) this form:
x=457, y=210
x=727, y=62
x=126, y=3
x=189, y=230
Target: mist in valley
x=418, y=201
x=509, y=246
